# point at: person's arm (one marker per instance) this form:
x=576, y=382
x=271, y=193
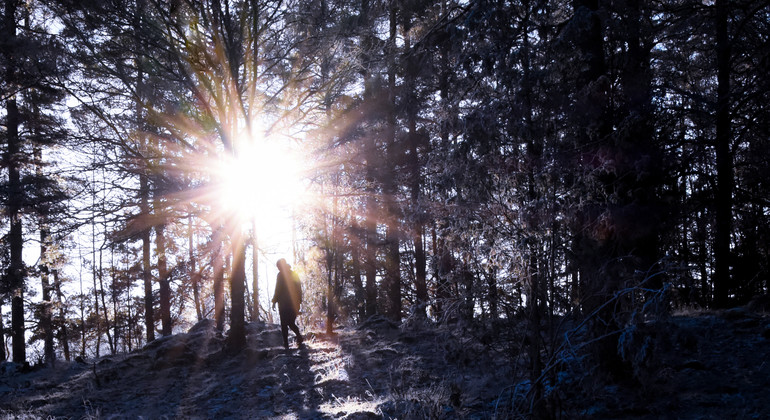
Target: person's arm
x=277, y=289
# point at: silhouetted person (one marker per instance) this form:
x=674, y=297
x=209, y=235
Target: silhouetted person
x=288, y=296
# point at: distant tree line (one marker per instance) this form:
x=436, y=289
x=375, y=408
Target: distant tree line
x=483, y=162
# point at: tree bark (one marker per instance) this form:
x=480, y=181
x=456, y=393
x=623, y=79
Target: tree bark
x=63, y=336
x=144, y=183
x=237, y=336
x=3, y=356
x=724, y=162
x=15, y=238
x=392, y=236
x=219, y=287
x=358, y=285
x=255, y=270
x=193, y=271
x=370, y=154
x=163, y=280
x=45, y=282
x=149, y=314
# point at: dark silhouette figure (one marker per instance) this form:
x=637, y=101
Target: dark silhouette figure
x=288, y=296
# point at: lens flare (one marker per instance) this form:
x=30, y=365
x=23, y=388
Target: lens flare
x=261, y=182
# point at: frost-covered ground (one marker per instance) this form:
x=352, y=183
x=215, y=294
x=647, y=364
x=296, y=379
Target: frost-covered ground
x=704, y=365
x=375, y=371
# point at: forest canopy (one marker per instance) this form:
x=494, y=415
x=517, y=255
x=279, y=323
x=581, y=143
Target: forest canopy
x=484, y=163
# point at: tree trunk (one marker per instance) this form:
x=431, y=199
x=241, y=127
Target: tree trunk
x=420, y=281
x=724, y=162
x=193, y=271
x=95, y=274
x=110, y=342
x=444, y=268
x=329, y=292
x=596, y=250
x=332, y=256
x=63, y=336
x=163, y=280
x=370, y=155
x=82, y=315
x=115, y=296
x=219, y=287
x=144, y=182
x=3, y=356
x=149, y=315
x=392, y=254
x=492, y=296
x=15, y=238
x=255, y=270
x=358, y=286
x=237, y=335
x=45, y=282
x=535, y=318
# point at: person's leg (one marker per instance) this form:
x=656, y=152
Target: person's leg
x=285, y=334
x=295, y=328
x=285, y=330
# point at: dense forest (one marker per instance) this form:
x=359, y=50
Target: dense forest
x=537, y=171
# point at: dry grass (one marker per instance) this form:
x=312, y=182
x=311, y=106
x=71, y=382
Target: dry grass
x=22, y=415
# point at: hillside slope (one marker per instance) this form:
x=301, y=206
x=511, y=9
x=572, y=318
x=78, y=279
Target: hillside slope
x=706, y=365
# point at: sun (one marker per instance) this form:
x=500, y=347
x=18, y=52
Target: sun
x=261, y=182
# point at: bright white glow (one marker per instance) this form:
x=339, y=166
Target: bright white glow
x=262, y=182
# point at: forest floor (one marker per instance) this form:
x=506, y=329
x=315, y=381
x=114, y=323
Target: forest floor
x=694, y=366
